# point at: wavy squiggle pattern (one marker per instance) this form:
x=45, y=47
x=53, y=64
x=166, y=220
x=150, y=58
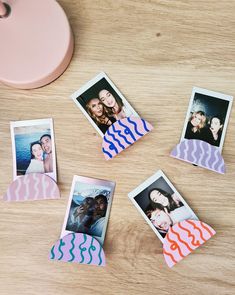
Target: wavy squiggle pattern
x=183, y=238
x=122, y=134
x=33, y=186
x=80, y=248
x=200, y=153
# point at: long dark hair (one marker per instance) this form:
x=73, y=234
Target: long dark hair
x=117, y=98
x=172, y=204
x=31, y=147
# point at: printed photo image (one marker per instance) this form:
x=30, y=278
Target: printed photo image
x=160, y=204
x=102, y=103
x=89, y=207
x=207, y=117
x=33, y=147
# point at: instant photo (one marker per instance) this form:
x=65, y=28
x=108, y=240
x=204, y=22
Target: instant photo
x=160, y=204
x=33, y=147
x=207, y=117
x=89, y=207
x=102, y=103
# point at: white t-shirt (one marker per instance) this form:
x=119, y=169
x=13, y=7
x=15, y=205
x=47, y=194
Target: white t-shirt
x=35, y=166
x=182, y=213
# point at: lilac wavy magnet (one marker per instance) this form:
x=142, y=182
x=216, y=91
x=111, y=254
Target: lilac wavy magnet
x=122, y=134
x=79, y=248
x=183, y=238
x=33, y=186
x=200, y=153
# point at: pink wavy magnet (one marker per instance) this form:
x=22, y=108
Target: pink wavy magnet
x=80, y=248
x=33, y=186
x=200, y=153
x=183, y=238
x=122, y=134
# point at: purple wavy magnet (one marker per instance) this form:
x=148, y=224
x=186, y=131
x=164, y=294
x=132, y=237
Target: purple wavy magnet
x=200, y=153
x=30, y=187
x=79, y=248
x=122, y=134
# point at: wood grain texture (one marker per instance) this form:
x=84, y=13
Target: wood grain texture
x=155, y=52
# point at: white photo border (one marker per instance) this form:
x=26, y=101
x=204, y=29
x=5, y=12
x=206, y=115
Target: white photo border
x=213, y=94
x=145, y=185
x=91, y=181
x=37, y=122
x=89, y=85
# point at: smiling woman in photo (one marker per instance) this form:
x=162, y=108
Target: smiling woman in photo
x=98, y=113
x=196, y=126
x=114, y=105
x=214, y=131
x=36, y=163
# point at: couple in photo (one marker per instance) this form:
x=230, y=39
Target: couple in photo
x=165, y=210
x=41, y=155
x=89, y=216
x=106, y=109
x=202, y=128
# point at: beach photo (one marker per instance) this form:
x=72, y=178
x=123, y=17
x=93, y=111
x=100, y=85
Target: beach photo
x=33, y=147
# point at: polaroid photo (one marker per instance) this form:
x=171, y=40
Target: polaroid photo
x=33, y=147
x=160, y=204
x=207, y=117
x=88, y=207
x=102, y=103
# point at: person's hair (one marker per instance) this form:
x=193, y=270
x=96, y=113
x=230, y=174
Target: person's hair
x=92, y=115
x=103, y=197
x=45, y=135
x=31, y=148
x=202, y=124
x=217, y=117
x=116, y=97
x=150, y=209
x=172, y=204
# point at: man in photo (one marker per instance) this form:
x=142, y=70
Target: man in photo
x=47, y=148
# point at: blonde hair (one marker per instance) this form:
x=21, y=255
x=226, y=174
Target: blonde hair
x=92, y=115
x=202, y=124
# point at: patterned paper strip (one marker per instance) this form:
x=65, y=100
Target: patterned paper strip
x=200, y=153
x=122, y=134
x=80, y=248
x=183, y=238
x=33, y=186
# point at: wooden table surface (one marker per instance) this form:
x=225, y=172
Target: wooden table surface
x=155, y=52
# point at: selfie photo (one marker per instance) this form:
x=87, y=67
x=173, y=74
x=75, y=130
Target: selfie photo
x=88, y=207
x=102, y=103
x=33, y=147
x=207, y=117
x=160, y=204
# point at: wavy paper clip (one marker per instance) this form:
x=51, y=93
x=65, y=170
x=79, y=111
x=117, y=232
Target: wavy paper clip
x=80, y=248
x=122, y=134
x=200, y=153
x=183, y=238
x=33, y=186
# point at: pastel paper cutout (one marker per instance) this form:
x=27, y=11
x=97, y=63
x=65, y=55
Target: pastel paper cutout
x=33, y=186
x=200, y=153
x=80, y=248
x=184, y=237
x=122, y=134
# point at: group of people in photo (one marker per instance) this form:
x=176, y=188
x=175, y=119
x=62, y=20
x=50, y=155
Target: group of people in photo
x=106, y=108
x=203, y=128
x=89, y=216
x=165, y=210
x=41, y=155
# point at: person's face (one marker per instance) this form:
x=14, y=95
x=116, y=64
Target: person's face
x=107, y=98
x=159, y=198
x=196, y=120
x=37, y=151
x=160, y=219
x=215, y=125
x=101, y=204
x=96, y=107
x=46, y=144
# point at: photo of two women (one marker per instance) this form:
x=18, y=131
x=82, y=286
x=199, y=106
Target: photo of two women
x=162, y=206
x=104, y=105
x=206, y=120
